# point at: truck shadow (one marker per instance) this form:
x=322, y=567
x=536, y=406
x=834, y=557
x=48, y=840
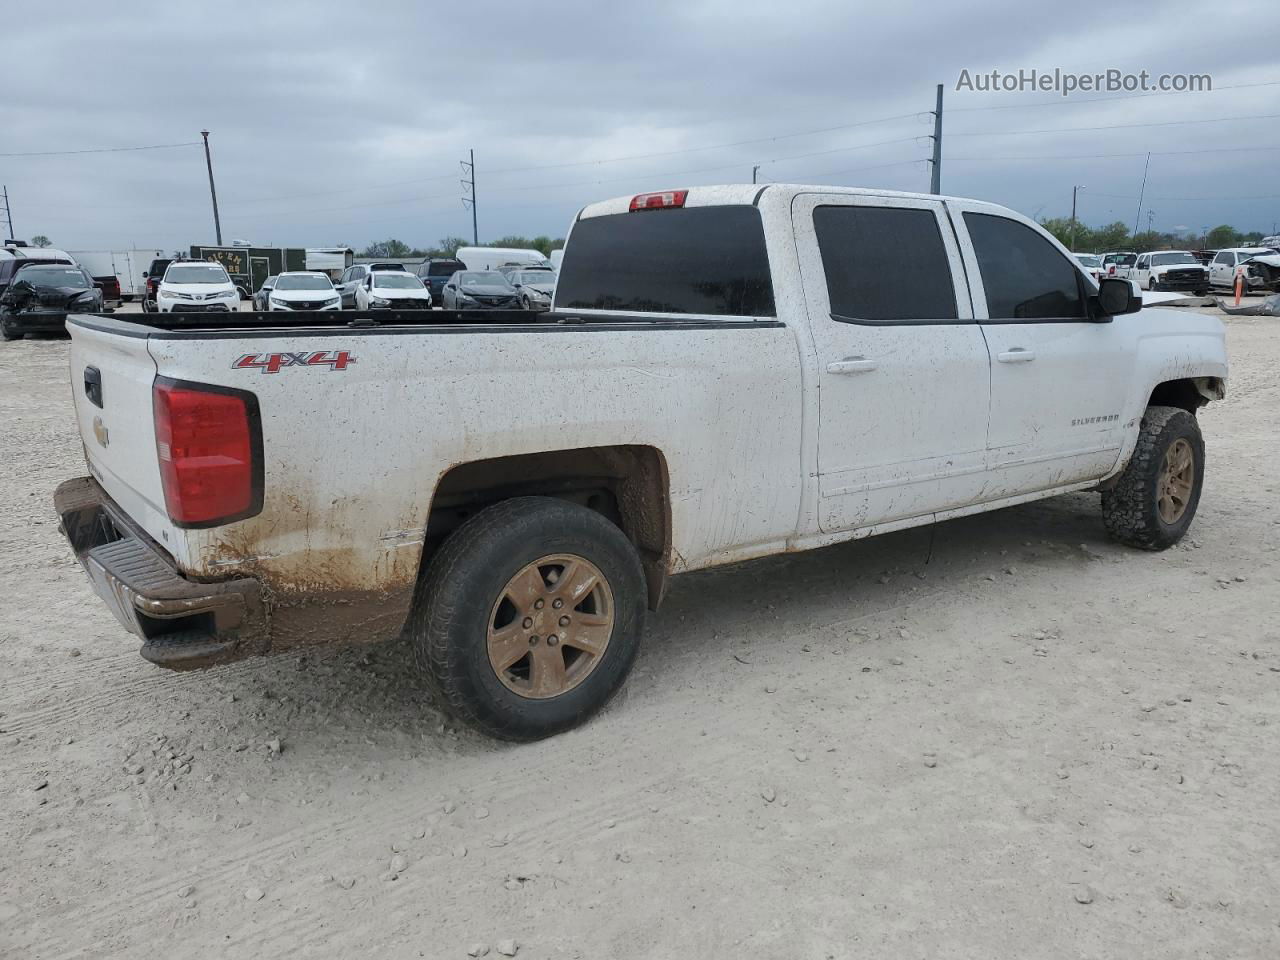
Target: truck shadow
x=375, y=692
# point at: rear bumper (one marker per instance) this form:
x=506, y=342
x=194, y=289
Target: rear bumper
x=183, y=624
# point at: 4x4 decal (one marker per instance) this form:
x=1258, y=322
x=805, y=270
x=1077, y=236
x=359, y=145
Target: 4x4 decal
x=273, y=362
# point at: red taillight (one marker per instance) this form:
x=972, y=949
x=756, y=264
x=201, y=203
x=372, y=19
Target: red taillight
x=208, y=444
x=1111, y=270
x=657, y=201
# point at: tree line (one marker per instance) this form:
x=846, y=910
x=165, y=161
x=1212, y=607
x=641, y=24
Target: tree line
x=448, y=246
x=1079, y=238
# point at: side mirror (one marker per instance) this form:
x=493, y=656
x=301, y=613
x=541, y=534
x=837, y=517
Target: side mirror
x=1117, y=297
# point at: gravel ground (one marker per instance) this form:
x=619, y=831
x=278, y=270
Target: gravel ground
x=1004, y=738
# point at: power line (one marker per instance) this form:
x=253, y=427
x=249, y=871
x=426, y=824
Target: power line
x=587, y=163
x=630, y=178
x=1066, y=101
x=67, y=153
x=1123, y=196
x=1109, y=156
x=1114, y=126
x=714, y=146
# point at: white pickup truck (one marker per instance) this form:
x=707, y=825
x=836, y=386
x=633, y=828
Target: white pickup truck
x=727, y=373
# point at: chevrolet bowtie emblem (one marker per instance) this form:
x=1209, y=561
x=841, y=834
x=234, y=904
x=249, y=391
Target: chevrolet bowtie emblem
x=100, y=431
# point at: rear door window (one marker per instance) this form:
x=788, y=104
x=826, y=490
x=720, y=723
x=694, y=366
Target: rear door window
x=698, y=260
x=864, y=253
x=1024, y=275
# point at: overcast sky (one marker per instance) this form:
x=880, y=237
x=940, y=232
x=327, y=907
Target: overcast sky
x=344, y=123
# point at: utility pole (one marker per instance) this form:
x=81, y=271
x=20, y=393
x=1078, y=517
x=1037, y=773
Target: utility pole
x=935, y=179
x=754, y=171
x=1151, y=216
x=469, y=168
x=213, y=193
x=8, y=211
x=1141, y=193
x=1074, y=190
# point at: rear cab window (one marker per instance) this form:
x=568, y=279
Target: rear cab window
x=863, y=251
x=709, y=261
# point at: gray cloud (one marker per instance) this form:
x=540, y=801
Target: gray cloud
x=343, y=122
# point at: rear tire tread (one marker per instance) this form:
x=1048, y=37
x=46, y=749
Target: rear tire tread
x=438, y=611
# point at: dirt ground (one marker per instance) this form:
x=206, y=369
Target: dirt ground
x=1003, y=738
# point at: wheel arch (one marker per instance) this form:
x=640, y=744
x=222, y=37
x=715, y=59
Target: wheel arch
x=627, y=483
x=1187, y=393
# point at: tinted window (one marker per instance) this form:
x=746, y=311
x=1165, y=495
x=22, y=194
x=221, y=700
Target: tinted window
x=196, y=273
x=708, y=260
x=54, y=277
x=444, y=268
x=397, y=281
x=303, y=282
x=1160, y=259
x=864, y=250
x=1025, y=277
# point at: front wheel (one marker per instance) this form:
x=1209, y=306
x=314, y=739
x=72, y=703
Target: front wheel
x=529, y=617
x=6, y=333
x=1154, y=500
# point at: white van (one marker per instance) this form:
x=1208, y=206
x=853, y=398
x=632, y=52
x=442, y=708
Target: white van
x=491, y=258
x=556, y=257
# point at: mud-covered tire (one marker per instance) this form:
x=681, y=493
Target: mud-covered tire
x=1130, y=508
x=453, y=613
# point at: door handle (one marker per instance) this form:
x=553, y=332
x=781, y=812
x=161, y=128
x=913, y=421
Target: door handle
x=1016, y=355
x=851, y=365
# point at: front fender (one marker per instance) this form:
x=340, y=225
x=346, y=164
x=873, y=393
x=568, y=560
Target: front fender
x=1174, y=346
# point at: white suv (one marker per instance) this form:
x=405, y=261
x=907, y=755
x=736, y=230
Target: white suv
x=196, y=286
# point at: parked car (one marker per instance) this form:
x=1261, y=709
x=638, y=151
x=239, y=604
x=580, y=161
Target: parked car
x=1170, y=270
x=1261, y=267
x=303, y=290
x=555, y=258
x=731, y=378
x=262, y=293
x=490, y=258
x=1092, y=264
x=507, y=269
x=480, y=290
x=39, y=297
x=390, y=288
x=196, y=286
x=1118, y=264
x=151, y=280
x=534, y=287
x=14, y=255
x=355, y=275
x=435, y=273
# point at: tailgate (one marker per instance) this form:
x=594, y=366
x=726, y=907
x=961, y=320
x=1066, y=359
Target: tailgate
x=111, y=378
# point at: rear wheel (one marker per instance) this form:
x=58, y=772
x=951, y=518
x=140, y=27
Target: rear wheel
x=530, y=617
x=1155, y=499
